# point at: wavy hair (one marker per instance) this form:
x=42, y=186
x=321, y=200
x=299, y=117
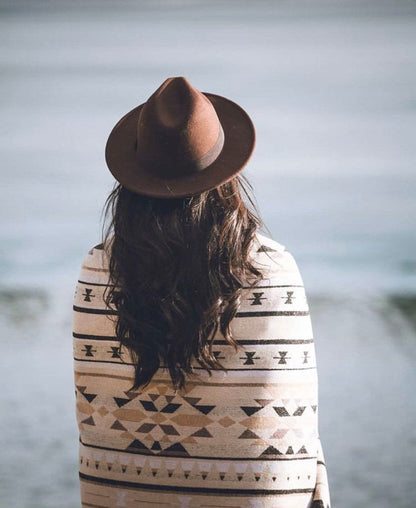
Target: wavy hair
x=177, y=269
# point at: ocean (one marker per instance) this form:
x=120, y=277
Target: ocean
x=330, y=86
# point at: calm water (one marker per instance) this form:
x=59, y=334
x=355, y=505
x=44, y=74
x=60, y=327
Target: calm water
x=331, y=89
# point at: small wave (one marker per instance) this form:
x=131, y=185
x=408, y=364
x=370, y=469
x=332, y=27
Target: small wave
x=406, y=304
x=21, y=305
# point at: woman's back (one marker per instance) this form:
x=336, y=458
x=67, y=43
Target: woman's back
x=246, y=437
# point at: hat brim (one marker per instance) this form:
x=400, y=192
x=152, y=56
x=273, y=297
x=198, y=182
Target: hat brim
x=239, y=142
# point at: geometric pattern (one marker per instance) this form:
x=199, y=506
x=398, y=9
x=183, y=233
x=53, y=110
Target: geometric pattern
x=170, y=425
x=258, y=356
x=247, y=435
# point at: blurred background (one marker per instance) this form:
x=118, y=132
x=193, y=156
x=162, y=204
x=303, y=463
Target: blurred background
x=331, y=87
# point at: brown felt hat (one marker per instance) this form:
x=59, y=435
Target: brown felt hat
x=180, y=142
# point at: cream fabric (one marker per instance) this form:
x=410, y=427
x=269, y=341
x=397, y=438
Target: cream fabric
x=245, y=438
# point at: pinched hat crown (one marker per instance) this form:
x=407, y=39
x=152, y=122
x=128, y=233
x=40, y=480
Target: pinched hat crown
x=180, y=142
x=178, y=131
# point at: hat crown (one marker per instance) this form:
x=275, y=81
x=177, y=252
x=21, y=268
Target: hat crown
x=178, y=130
x=180, y=142
x=174, y=100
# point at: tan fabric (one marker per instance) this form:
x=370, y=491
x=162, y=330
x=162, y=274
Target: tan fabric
x=245, y=438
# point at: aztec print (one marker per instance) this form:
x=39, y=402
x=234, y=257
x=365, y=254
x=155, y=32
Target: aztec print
x=247, y=437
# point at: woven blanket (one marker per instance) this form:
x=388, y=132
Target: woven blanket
x=247, y=437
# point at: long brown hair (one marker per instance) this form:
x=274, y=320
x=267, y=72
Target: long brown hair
x=177, y=270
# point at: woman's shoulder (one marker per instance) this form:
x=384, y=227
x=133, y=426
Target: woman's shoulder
x=94, y=266
x=267, y=244
x=275, y=259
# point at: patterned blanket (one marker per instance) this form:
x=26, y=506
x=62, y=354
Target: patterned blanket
x=247, y=437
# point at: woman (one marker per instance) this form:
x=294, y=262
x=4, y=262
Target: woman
x=195, y=367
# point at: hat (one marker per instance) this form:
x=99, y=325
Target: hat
x=180, y=142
